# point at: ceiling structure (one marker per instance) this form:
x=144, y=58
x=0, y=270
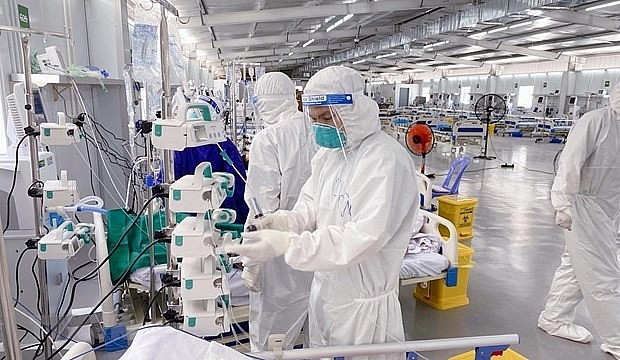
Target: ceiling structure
x=300, y=37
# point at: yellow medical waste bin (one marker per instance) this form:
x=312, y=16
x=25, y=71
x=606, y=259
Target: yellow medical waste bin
x=509, y=354
x=436, y=294
x=460, y=211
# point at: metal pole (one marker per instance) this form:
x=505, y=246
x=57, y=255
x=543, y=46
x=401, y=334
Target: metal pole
x=36, y=202
x=391, y=348
x=167, y=156
x=233, y=101
x=149, y=193
x=8, y=323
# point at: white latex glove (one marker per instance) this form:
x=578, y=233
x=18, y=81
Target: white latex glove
x=271, y=221
x=563, y=219
x=260, y=246
x=250, y=277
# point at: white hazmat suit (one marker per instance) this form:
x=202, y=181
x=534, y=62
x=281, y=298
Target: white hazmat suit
x=586, y=195
x=279, y=165
x=351, y=224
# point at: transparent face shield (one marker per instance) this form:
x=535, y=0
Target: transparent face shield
x=327, y=124
x=258, y=122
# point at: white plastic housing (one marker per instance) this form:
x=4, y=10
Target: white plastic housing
x=200, y=192
x=61, y=192
x=204, y=318
x=192, y=237
x=60, y=133
x=183, y=132
x=200, y=280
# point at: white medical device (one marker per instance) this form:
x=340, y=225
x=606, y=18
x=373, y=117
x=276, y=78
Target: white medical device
x=59, y=193
x=195, y=239
x=60, y=133
x=191, y=127
x=65, y=241
x=51, y=61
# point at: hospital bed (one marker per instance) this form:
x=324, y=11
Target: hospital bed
x=467, y=132
x=437, y=125
x=526, y=126
x=561, y=128
x=449, y=250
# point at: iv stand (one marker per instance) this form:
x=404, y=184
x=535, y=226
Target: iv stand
x=10, y=330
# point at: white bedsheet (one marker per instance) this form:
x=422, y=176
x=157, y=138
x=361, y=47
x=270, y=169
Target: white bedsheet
x=166, y=343
x=424, y=264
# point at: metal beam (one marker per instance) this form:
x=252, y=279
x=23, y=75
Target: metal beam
x=283, y=52
x=467, y=18
x=305, y=56
x=501, y=46
x=438, y=57
x=451, y=60
x=309, y=12
x=401, y=64
x=290, y=38
x=573, y=17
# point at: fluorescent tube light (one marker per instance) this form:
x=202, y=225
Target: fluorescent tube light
x=602, y=6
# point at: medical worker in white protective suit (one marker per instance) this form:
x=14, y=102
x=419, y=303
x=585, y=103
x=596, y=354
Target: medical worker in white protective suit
x=279, y=166
x=353, y=219
x=586, y=196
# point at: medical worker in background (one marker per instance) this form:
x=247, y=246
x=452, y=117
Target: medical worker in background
x=586, y=196
x=352, y=221
x=279, y=166
x=185, y=161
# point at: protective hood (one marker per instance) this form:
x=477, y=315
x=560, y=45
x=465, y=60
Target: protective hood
x=614, y=98
x=275, y=97
x=360, y=119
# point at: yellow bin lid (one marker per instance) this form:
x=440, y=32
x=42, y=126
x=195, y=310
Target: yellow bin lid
x=457, y=200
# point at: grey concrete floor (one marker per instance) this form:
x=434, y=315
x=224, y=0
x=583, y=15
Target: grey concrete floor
x=517, y=249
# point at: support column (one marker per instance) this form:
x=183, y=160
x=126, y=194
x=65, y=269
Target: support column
x=568, y=83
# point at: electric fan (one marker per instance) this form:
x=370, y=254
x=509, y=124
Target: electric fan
x=489, y=109
x=420, y=141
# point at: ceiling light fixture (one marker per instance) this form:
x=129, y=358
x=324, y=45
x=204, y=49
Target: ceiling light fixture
x=602, y=6
x=478, y=35
x=435, y=44
x=280, y=60
x=308, y=43
x=359, y=61
x=515, y=26
x=328, y=19
x=339, y=22
x=503, y=28
x=385, y=55
x=290, y=54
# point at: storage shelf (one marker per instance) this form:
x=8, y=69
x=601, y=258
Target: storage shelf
x=44, y=79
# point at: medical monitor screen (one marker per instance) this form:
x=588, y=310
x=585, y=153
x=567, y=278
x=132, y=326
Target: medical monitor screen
x=39, y=108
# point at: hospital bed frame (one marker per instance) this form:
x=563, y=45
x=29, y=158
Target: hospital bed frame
x=468, y=132
x=449, y=250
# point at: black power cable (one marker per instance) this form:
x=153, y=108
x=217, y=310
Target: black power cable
x=8, y=198
x=36, y=281
x=17, y=282
x=148, y=307
x=96, y=307
x=94, y=271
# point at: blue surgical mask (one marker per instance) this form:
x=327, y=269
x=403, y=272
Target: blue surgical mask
x=329, y=136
